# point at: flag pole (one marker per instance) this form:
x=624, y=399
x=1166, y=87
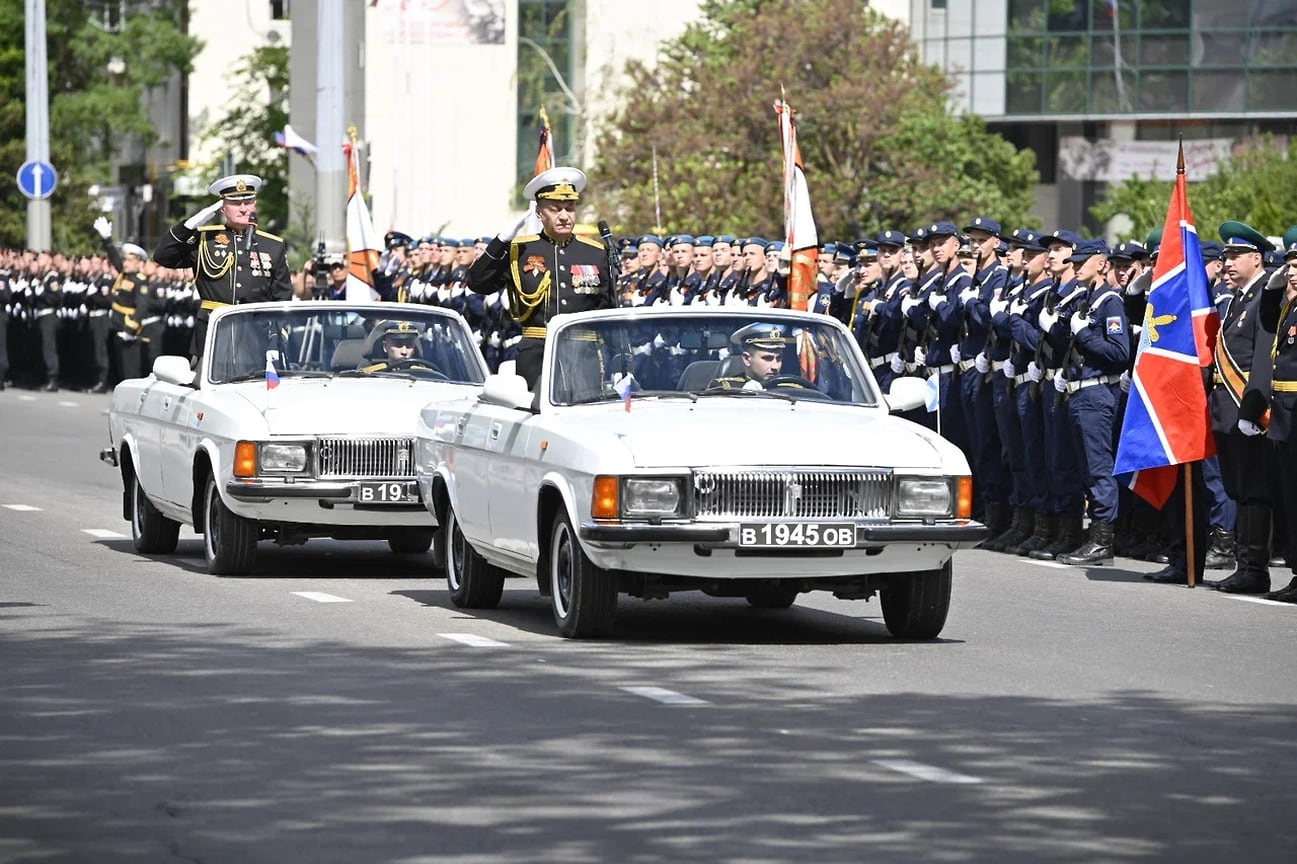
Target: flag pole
x=1190, y=567
x=657, y=201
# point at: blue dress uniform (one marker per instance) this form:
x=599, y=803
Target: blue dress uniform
x=545, y=277
x=944, y=326
x=1100, y=354
x=229, y=267
x=1247, y=462
x=1281, y=402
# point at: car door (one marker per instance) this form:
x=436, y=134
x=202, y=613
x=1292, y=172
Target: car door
x=514, y=459
x=144, y=427
x=469, y=468
x=177, y=438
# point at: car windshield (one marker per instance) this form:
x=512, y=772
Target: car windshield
x=403, y=342
x=703, y=355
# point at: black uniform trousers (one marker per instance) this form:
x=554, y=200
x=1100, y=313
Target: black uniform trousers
x=47, y=326
x=100, y=333
x=531, y=352
x=1174, y=512
x=4, y=345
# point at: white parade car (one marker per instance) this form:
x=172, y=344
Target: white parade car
x=298, y=423
x=655, y=457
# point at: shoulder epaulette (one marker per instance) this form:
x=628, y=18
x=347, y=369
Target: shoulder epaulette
x=526, y=238
x=375, y=368
x=598, y=244
x=269, y=236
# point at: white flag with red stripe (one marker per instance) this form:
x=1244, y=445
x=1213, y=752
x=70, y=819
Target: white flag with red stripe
x=801, y=238
x=362, y=240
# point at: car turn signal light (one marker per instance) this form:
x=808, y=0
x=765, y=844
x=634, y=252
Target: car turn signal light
x=965, y=503
x=245, y=459
x=604, y=503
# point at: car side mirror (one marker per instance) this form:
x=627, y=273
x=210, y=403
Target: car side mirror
x=906, y=394
x=507, y=390
x=173, y=370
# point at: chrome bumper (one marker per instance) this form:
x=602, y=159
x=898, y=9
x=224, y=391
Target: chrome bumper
x=331, y=491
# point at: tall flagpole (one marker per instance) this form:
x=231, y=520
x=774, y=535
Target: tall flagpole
x=657, y=201
x=1191, y=568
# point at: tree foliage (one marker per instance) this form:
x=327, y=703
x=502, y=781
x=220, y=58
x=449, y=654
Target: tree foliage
x=880, y=141
x=92, y=114
x=1257, y=185
x=246, y=131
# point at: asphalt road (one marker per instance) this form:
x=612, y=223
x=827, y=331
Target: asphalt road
x=336, y=707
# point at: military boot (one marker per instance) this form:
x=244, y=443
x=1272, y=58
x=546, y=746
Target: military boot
x=1220, y=555
x=996, y=520
x=1069, y=539
x=1252, y=549
x=1022, y=526
x=1097, y=550
x=1287, y=594
x=1044, y=534
x=51, y=386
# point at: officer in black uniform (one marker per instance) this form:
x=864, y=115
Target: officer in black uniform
x=549, y=273
x=123, y=317
x=233, y=262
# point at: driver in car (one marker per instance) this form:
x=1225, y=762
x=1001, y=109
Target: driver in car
x=400, y=344
x=762, y=345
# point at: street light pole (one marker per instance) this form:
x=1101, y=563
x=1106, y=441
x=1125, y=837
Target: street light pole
x=38, y=121
x=330, y=167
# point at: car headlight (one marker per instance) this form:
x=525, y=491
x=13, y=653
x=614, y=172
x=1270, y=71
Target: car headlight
x=283, y=458
x=923, y=496
x=651, y=497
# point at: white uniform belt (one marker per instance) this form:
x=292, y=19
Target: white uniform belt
x=1073, y=386
x=41, y=313
x=1021, y=379
x=1051, y=374
x=876, y=362
x=98, y=313
x=152, y=319
x=997, y=365
x=965, y=365
x=944, y=370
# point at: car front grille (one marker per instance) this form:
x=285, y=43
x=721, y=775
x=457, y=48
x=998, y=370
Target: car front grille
x=365, y=457
x=766, y=493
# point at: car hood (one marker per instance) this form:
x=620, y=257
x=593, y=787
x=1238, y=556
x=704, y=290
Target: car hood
x=372, y=406
x=720, y=432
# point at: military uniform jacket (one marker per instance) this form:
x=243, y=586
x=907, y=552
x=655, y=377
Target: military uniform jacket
x=1280, y=396
x=1247, y=334
x=545, y=278
x=51, y=296
x=225, y=272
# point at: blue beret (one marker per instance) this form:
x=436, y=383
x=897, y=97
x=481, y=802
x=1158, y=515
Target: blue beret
x=429, y=239
x=393, y=239
x=483, y=240
x=982, y=223
x=678, y=239
x=942, y=228
x=892, y=237
x=705, y=240
x=726, y=238
x=1068, y=238
x=1212, y=250
x=650, y=238
x=1027, y=239
x=756, y=241
x=775, y=246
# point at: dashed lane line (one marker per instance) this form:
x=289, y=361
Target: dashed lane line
x=21, y=508
x=473, y=639
x=1053, y=564
x=666, y=697
x=103, y=534
x=320, y=597
x=68, y=404
x=931, y=773
x=26, y=398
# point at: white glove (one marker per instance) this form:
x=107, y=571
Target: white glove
x=1137, y=329
x=998, y=306
x=494, y=341
x=1017, y=306
x=677, y=297
x=511, y=231
x=38, y=289
x=908, y=303
x=659, y=342
x=969, y=294
x=643, y=350
x=104, y=227
x=1079, y=323
x=637, y=299
x=981, y=363
x=898, y=364
x=920, y=357
x=935, y=300
x=443, y=295
x=955, y=356
x=203, y=215
x=1248, y=428
x=1047, y=320
x=1010, y=371
x=1124, y=382
x=1035, y=373
x=1060, y=383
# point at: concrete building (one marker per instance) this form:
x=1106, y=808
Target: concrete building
x=1101, y=90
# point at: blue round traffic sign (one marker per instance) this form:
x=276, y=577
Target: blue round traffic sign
x=37, y=179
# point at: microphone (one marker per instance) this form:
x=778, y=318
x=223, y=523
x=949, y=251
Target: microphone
x=248, y=232
x=610, y=245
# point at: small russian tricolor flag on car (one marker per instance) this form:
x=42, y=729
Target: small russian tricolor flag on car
x=625, y=386
x=272, y=377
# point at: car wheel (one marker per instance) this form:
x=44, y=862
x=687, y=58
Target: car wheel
x=772, y=597
x=473, y=583
x=915, y=606
x=414, y=541
x=153, y=533
x=582, y=596
x=229, y=540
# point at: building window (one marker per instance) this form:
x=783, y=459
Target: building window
x=279, y=10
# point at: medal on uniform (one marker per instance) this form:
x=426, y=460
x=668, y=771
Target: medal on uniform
x=535, y=264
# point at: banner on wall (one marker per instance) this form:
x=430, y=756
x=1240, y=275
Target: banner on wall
x=442, y=22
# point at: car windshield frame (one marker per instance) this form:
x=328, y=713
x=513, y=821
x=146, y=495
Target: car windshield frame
x=306, y=340
x=669, y=355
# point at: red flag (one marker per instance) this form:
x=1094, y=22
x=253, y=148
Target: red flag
x=801, y=239
x=362, y=241
x=545, y=155
x=1167, y=422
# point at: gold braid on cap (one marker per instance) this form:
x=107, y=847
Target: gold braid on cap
x=523, y=303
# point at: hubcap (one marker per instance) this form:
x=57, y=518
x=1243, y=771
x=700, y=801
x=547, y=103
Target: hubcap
x=455, y=560
x=561, y=571
x=211, y=534
x=137, y=518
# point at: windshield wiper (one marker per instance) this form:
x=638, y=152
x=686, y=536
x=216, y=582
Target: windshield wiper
x=739, y=391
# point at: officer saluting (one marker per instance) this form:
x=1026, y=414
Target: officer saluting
x=549, y=273
x=233, y=262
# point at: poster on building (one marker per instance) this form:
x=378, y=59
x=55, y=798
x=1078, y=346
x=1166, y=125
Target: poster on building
x=1115, y=161
x=442, y=22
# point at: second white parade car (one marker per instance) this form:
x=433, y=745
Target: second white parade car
x=740, y=452
x=297, y=423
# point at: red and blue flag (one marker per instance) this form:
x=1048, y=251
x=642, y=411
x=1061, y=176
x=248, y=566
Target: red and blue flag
x=1167, y=422
x=272, y=377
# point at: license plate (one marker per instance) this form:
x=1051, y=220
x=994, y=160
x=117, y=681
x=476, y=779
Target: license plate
x=815, y=535
x=387, y=493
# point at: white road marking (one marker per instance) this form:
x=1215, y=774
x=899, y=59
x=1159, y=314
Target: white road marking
x=103, y=533
x=321, y=597
x=1261, y=600
x=473, y=639
x=666, y=697
x=68, y=404
x=26, y=398
x=1053, y=564
x=931, y=773
x=21, y=508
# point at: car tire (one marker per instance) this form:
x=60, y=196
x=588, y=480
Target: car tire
x=473, y=583
x=229, y=540
x=915, y=605
x=153, y=533
x=583, y=597
x=414, y=541
x=772, y=597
